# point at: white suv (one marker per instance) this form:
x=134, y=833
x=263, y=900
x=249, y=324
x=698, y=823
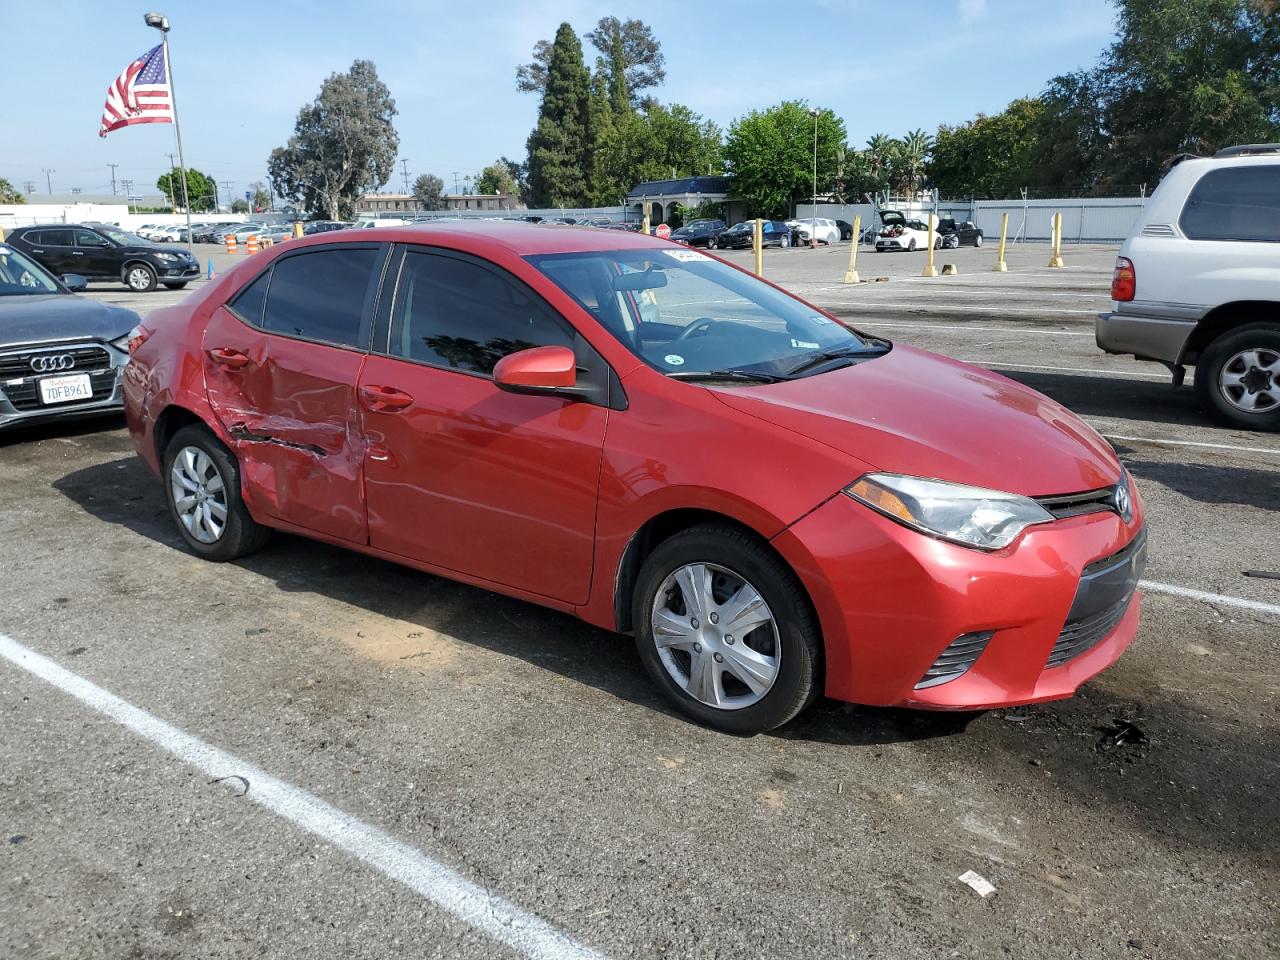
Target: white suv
x=1198, y=283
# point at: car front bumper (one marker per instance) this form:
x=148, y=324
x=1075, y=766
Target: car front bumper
x=894, y=603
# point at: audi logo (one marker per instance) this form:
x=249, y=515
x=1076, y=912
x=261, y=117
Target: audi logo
x=52, y=362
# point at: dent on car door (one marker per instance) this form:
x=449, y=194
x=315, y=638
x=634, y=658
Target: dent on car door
x=460, y=474
x=281, y=365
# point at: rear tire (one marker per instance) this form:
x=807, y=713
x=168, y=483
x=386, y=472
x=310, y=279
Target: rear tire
x=1240, y=368
x=205, y=483
x=786, y=648
x=911, y=245
x=977, y=241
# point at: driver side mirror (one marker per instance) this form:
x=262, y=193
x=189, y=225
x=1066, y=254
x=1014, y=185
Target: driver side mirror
x=537, y=370
x=74, y=282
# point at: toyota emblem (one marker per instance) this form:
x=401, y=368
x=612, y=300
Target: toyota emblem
x=1124, y=506
x=52, y=362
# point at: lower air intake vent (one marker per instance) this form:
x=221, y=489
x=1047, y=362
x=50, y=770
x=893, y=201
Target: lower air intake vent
x=961, y=654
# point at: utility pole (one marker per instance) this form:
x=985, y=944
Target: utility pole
x=48, y=181
x=113, y=177
x=404, y=165
x=226, y=185
x=128, y=191
x=31, y=187
x=455, y=180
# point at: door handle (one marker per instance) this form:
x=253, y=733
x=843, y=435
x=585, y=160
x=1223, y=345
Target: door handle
x=77, y=253
x=34, y=250
x=382, y=399
x=228, y=357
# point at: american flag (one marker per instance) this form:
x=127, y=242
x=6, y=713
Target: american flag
x=140, y=94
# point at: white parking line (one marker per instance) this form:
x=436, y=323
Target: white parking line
x=436, y=882
x=1035, y=366
x=1185, y=443
x=934, y=306
x=961, y=328
x=1217, y=599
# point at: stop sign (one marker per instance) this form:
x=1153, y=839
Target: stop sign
x=662, y=232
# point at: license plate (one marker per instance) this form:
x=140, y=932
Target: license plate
x=75, y=386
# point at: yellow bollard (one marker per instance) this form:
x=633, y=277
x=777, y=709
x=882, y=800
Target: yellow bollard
x=1, y=233
x=929, y=269
x=851, y=275
x=1001, y=266
x=1056, y=259
x=757, y=245
x=297, y=229
x=644, y=225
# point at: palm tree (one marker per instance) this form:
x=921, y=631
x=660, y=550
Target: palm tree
x=913, y=152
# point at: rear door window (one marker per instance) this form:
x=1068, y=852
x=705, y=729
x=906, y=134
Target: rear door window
x=1235, y=203
x=323, y=295
x=55, y=238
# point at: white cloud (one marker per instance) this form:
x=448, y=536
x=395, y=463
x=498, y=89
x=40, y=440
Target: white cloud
x=971, y=11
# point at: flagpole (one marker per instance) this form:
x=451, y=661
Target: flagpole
x=161, y=23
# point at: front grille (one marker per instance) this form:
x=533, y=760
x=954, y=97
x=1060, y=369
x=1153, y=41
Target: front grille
x=961, y=654
x=25, y=396
x=1080, y=635
x=83, y=357
x=1078, y=504
x=1105, y=592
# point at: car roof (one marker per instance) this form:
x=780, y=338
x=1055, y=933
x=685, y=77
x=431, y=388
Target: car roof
x=480, y=237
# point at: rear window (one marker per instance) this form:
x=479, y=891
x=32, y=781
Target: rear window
x=321, y=296
x=1236, y=203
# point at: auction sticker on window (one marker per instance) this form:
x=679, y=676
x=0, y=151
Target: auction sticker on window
x=686, y=255
x=673, y=360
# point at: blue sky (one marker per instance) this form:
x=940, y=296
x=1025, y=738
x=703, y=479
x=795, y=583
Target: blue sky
x=243, y=69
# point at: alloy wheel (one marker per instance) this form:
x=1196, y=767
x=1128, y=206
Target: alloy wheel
x=1250, y=380
x=139, y=278
x=715, y=635
x=199, y=494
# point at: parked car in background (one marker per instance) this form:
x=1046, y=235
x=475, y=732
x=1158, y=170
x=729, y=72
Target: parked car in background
x=632, y=226
x=164, y=233
x=277, y=233
x=242, y=231
x=106, y=253
x=817, y=228
x=699, y=233
x=846, y=229
x=369, y=223
x=60, y=355
x=908, y=530
x=899, y=233
x=1197, y=283
x=323, y=226
x=776, y=233
x=951, y=234
x=215, y=232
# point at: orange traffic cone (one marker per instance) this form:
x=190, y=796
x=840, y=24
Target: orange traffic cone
x=251, y=245
x=231, y=242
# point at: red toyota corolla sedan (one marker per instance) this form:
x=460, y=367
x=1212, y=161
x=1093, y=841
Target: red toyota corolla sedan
x=774, y=504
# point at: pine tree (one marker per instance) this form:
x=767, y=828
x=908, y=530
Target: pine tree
x=619, y=94
x=560, y=144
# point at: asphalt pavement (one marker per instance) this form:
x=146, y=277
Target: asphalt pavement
x=310, y=753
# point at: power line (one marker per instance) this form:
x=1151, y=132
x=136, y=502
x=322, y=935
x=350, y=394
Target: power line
x=113, y=177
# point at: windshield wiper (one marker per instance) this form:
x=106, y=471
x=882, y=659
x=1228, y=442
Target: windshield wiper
x=830, y=356
x=746, y=376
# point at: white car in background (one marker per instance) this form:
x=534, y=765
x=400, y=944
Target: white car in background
x=817, y=228
x=899, y=233
x=1198, y=283
x=165, y=234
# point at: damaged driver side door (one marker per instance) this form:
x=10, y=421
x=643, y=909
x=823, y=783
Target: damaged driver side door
x=281, y=361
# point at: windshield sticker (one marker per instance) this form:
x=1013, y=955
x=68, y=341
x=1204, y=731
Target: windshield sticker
x=686, y=255
x=804, y=344
x=673, y=359
x=820, y=320
x=4, y=249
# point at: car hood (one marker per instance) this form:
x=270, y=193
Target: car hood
x=916, y=413
x=53, y=317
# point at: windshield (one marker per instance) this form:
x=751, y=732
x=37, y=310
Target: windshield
x=124, y=237
x=687, y=314
x=20, y=276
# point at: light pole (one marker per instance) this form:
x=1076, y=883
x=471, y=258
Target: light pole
x=160, y=22
x=813, y=232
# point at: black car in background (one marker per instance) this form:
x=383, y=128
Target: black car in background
x=952, y=234
x=60, y=355
x=776, y=233
x=323, y=226
x=846, y=229
x=213, y=232
x=699, y=233
x=102, y=252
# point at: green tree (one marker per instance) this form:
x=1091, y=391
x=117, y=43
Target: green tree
x=988, y=156
x=201, y=191
x=427, y=190
x=559, y=149
x=770, y=155
x=1070, y=141
x=659, y=143
x=9, y=193
x=240, y=205
x=634, y=54
x=261, y=199
x=497, y=178
x=344, y=145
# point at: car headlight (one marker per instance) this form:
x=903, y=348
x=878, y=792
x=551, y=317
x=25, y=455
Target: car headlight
x=970, y=516
x=165, y=256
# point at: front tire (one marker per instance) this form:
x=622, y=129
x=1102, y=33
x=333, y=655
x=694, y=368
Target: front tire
x=175, y=286
x=977, y=241
x=1238, y=377
x=202, y=484
x=139, y=278
x=696, y=588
